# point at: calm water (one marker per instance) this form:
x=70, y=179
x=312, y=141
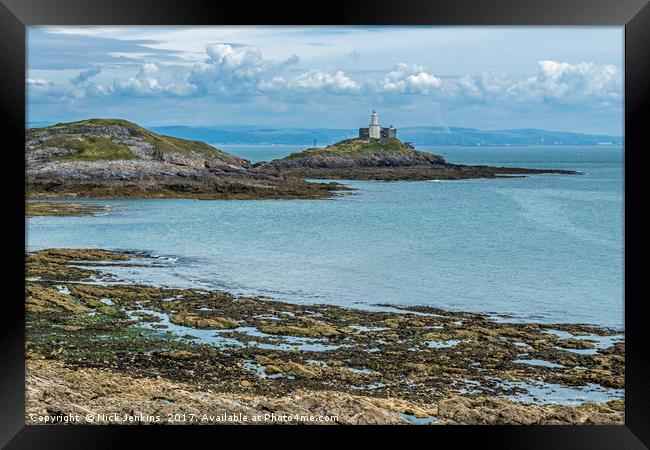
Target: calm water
x=545, y=248
x=257, y=153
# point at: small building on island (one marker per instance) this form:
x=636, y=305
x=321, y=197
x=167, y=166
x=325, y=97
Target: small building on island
x=376, y=131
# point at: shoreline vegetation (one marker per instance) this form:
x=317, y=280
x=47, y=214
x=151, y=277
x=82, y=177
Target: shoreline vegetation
x=114, y=158
x=97, y=345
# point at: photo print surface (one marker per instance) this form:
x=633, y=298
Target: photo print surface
x=325, y=225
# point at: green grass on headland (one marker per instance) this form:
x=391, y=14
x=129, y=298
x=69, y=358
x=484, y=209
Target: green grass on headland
x=355, y=146
x=90, y=148
x=74, y=136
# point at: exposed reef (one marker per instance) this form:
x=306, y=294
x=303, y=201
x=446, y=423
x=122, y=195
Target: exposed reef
x=61, y=209
x=97, y=344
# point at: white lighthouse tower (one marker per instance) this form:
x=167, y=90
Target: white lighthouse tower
x=374, y=130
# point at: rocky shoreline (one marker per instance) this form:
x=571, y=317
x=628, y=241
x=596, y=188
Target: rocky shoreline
x=97, y=344
x=415, y=173
x=208, y=188
x=387, y=160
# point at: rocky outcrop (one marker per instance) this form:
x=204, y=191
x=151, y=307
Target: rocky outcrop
x=357, y=161
x=117, y=158
x=500, y=411
x=388, y=160
x=357, y=153
x=79, y=141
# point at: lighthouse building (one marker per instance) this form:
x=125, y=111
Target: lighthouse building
x=376, y=131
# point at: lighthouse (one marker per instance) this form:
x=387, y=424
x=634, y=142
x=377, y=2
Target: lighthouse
x=374, y=130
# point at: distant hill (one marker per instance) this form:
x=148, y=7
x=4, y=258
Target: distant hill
x=257, y=135
x=522, y=136
x=417, y=135
x=251, y=134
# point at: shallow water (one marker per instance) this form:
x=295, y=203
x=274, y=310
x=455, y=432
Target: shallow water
x=538, y=362
x=544, y=248
x=215, y=337
x=546, y=393
x=418, y=420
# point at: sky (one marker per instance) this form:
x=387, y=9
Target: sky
x=554, y=78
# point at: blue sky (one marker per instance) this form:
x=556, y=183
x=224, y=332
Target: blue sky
x=557, y=78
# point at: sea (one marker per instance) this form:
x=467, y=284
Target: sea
x=544, y=248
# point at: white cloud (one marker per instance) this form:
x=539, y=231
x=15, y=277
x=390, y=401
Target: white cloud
x=554, y=82
x=36, y=81
x=564, y=82
x=85, y=75
x=233, y=81
x=39, y=88
x=485, y=87
x=147, y=83
x=557, y=82
x=409, y=79
x=144, y=83
x=94, y=90
x=229, y=70
x=318, y=80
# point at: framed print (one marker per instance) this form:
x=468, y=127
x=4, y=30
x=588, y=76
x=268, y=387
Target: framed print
x=375, y=218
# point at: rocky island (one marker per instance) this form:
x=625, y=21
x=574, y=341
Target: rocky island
x=377, y=154
x=386, y=159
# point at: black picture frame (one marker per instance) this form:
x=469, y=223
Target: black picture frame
x=15, y=15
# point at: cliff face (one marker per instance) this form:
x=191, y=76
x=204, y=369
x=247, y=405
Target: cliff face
x=357, y=154
x=117, y=158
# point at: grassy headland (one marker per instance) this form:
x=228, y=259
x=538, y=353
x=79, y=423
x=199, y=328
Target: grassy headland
x=73, y=136
x=112, y=158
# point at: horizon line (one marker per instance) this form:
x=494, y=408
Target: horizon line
x=276, y=127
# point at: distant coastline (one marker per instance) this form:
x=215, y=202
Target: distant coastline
x=440, y=136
